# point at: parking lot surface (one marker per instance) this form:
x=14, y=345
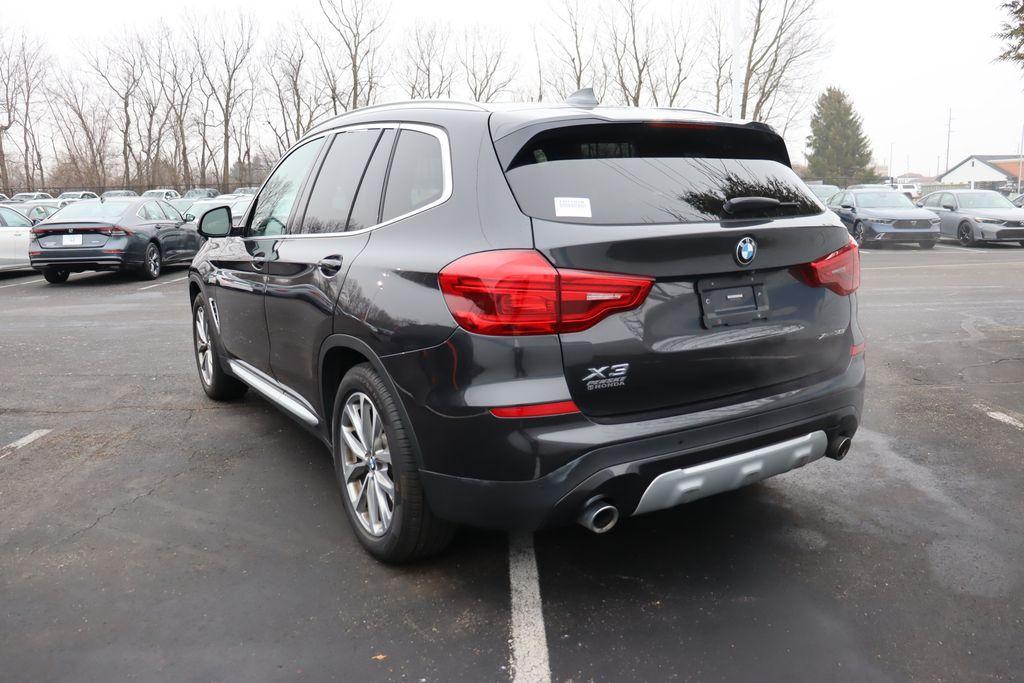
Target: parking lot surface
x=148, y=532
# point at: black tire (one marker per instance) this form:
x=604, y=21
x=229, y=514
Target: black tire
x=413, y=532
x=217, y=384
x=56, y=277
x=965, y=234
x=930, y=244
x=152, y=262
x=858, y=233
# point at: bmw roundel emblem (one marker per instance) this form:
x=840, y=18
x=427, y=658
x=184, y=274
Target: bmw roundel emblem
x=746, y=249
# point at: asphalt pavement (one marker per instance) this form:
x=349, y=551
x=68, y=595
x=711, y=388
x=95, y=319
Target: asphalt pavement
x=149, y=533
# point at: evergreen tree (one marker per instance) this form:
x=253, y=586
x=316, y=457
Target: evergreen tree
x=1013, y=33
x=838, y=150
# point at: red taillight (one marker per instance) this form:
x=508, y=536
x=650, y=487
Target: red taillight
x=839, y=271
x=517, y=292
x=116, y=232
x=537, y=410
x=856, y=349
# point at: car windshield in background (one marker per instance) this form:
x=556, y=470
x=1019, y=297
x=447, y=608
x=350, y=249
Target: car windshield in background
x=983, y=200
x=823, y=192
x=650, y=173
x=883, y=200
x=91, y=210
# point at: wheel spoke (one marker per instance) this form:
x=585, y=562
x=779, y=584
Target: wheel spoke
x=369, y=416
x=384, y=453
x=385, y=484
x=372, y=502
x=355, y=446
x=356, y=423
x=355, y=472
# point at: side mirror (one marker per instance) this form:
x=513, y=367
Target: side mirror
x=216, y=222
x=846, y=206
x=949, y=207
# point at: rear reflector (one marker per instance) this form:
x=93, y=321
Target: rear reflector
x=838, y=271
x=518, y=292
x=856, y=349
x=537, y=410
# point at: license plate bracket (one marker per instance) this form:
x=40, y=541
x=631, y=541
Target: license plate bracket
x=71, y=241
x=731, y=301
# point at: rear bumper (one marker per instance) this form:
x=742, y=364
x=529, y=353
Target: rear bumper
x=621, y=469
x=80, y=260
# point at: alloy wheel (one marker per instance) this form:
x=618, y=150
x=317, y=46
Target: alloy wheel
x=964, y=235
x=366, y=464
x=153, y=260
x=858, y=233
x=204, y=354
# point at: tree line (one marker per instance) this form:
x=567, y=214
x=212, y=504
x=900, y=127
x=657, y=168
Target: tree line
x=213, y=100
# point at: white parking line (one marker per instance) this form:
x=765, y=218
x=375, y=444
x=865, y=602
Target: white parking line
x=1000, y=416
x=983, y=264
x=23, y=441
x=16, y=284
x=165, y=282
x=529, y=639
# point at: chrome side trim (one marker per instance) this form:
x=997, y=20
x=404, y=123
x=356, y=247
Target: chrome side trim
x=274, y=391
x=700, y=481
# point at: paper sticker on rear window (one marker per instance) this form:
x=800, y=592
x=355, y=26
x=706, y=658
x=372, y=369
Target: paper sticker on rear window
x=575, y=207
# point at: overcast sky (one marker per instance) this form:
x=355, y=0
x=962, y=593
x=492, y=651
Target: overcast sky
x=905, y=63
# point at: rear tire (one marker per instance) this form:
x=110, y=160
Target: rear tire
x=152, y=262
x=367, y=467
x=965, y=235
x=926, y=245
x=217, y=384
x=56, y=277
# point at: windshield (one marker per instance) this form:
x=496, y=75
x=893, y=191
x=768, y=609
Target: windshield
x=983, y=200
x=91, y=210
x=153, y=193
x=883, y=200
x=629, y=173
x=823, y=192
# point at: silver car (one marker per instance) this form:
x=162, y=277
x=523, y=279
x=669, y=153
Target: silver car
x=974, y=216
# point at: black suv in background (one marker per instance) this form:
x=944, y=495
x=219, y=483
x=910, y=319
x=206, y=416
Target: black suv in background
x=516, y=316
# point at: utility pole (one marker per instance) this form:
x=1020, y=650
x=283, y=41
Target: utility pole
x=949, y=133
x=1020, y=158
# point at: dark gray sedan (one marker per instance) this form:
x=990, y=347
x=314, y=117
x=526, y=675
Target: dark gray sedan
x=140, y=234
x=973, y=216
x=881, y=215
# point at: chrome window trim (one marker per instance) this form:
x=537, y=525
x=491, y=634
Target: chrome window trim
x=446, y=169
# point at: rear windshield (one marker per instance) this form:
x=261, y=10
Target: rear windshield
x=90, y=210
x=628, y=173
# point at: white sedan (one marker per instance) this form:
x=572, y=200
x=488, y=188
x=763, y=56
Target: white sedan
x=15, y=235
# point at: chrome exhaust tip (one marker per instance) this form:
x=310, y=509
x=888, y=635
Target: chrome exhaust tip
x=599, y=516
x=839, y=447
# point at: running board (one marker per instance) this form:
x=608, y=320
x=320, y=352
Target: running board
x=700, y=481
x=274, y=391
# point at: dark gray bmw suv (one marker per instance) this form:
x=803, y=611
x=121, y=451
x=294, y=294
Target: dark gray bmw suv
x=518, y=316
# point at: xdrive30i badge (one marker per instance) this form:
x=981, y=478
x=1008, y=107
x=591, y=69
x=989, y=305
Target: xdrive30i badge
x=746, y=249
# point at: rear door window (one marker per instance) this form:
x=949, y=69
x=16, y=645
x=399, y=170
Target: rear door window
x=366, y=210
x=416, y=178
x=338, y=180
x=14, y=219
x=652, y=172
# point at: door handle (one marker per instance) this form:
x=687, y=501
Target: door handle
x=258, y=260
x=330, y=265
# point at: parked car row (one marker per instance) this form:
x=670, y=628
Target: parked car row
x=884, y=214
x=138, y=234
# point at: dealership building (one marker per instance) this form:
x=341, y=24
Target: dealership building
x=987, y=171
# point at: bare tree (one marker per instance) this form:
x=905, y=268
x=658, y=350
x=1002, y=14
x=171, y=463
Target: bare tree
x=672, y=73
x=117, y=65
x=151, y=118
x=428, y=68
x=12, y=81
x=181, y=76
x=484, y=59
x=84, y=124
x=224, y=55
x=634, y=49
x=783, y=41
x=575, y=63
x=34, y=64
x=718, y=61
x=359, y=26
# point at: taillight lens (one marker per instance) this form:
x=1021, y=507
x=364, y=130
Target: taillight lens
x=518, y=292
x=117, y=232
x=839, y=271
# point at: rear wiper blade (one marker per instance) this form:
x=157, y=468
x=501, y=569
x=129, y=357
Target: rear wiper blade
x=747, y=204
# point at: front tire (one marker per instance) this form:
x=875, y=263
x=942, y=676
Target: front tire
x=152, y=262
x=217, y=384
x=56, y=277
x=858, y=233
x=377, y=473
x=965, y=235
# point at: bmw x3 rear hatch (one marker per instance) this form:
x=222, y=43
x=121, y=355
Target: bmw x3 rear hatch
x=751, y=277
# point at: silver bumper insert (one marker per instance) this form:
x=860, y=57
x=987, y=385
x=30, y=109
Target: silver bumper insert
x=700, y=481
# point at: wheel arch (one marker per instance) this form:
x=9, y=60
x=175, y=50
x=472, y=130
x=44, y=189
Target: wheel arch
x=338, y=354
